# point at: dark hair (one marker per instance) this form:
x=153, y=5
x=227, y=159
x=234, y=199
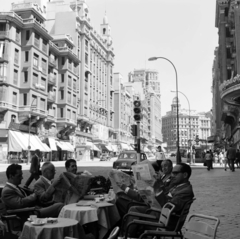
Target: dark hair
x=169, y=161
x=68, y=162
x=37, y=151
x=185, y=168
x=12, y=169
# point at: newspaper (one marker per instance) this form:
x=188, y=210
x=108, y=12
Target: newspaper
x=72, y=188
x=145, y=178
x=118, y=177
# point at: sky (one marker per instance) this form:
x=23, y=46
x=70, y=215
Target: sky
x=182, y=31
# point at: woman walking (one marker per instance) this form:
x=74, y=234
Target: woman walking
x=221, y=158
x=208, y=158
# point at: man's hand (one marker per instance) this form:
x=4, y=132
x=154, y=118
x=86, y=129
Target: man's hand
x=158, y=186
x=56, y=181
x=122, y=186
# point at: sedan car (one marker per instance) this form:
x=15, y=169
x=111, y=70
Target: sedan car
x=126, y=159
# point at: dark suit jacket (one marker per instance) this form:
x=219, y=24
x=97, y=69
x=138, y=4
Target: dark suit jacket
x=177, y=195
x=231, y=153
x=35, y=164
x=13, y=199
x=43, y=190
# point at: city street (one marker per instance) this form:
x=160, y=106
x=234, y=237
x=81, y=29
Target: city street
x=216, y=192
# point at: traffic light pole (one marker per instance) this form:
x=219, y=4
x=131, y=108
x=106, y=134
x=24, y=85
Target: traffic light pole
x=138, y=143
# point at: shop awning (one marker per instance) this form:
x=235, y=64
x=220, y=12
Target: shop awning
x=115, y=148
x=109, y=148
x=18, y=141
x=65, y=146
x=124, y=146
x=52, y=144
x=146, y=149
x=95, y=148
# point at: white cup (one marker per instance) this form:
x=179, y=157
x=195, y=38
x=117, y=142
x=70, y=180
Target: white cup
x=37, y=221
x=33, y=217
x=97, y=200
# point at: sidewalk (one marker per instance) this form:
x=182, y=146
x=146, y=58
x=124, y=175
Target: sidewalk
x=97, y=163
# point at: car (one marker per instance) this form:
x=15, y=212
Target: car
x=126, y=159
x=172, y=154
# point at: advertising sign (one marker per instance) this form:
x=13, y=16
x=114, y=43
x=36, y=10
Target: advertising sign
x=100, y=131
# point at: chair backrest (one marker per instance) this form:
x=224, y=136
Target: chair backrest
x=166, y=213
x=201, y=227
x=183, y=215
x=114, y=233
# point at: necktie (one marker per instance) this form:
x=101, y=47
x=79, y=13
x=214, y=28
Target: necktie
x=22, y=191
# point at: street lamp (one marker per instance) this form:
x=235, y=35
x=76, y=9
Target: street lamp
x=190, y=131
x=178, y=158
x=29, y=147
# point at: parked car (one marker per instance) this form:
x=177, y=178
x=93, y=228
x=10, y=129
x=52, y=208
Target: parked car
x=126, y=159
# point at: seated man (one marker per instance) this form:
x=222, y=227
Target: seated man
x=15, y=197
x=178, y=194
x=131, y=194
x=71, y=167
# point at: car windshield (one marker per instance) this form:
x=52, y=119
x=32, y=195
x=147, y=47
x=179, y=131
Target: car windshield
x=127, y=156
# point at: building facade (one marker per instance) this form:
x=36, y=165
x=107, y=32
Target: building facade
x=191, y=124
x=56, y=75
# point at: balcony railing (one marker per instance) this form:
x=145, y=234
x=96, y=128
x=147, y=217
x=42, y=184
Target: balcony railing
x=7, y=105
x=52, y=61
x=51, y=113
x=4, y=57
x=4, y=33
x=3, y=78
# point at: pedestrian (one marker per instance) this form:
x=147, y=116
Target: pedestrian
x=221, y=158
x=160, y=156
x=211, y=166
x=237, y=161
x=34, y=168
x=225, y=160
x=231, y=155
x=208, y=158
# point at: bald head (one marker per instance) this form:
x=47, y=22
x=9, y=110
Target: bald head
x=48, y=170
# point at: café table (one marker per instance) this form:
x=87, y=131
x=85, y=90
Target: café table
x=85, y=211
x=60, y=229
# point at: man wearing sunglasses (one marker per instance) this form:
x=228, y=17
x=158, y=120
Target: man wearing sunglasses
x=178, y=193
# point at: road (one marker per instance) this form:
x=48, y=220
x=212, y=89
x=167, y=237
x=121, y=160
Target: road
x=216, y=192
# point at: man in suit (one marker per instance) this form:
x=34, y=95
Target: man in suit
x=34, y=168
x=178, y=194
x=131, y=194
x=71, y=167
x=14, y=197
x=231, y=156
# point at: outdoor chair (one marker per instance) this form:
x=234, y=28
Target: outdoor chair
x=114, y=233
x=152, y=222
x=162, y=220
x=197, y=226
x=8, y=222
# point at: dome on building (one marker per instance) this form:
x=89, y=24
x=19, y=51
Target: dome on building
x=175, y=100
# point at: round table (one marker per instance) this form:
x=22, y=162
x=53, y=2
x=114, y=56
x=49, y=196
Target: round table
x=60, y=229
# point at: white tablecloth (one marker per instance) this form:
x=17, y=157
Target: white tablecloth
x=105, y=214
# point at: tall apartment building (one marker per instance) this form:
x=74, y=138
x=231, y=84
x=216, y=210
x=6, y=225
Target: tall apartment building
x=191, y=124
x=147, y=85
x=56, y=74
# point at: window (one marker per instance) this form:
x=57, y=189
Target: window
x=44, y=66
x=14, y=98
x=35, y=78
x=86, y=58
x=86, y=45
x=27, y=35
x=61, y=112
x=54, y=111
x=63, y=61
x=69, y=81
x=26, y=55
x=68, y=114
x=35, y=60
x=74, y=100
x=74, y=115
x=34, y=100
x=17, y=35
x=42, y=104
x=37, y=40
x=24, y=99
x=62, y=94
x=43, y=83
x=25, y=76
x=15, y=77
x=16, y=56
x=69, y=98
x=44, y=46
x=62, y=78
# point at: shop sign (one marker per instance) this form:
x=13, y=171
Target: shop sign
x=20, y=127
x=100, y=131
x=229, y=83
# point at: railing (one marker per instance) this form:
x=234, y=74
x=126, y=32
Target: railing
x=52, y=61
x=4, y=33
x=51, y=113
x=7, y=105
x=65, y=48
x=31, y=20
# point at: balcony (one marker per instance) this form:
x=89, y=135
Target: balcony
x=39, y=86
x=7, y=106
x=3, y=78
x=52, y=96
x=34, y=110
x=4, y=57
x=18, y=38
x=4, y=34
x=67, y=120
x=52, y=62
x=52, y=79
x=51, y=115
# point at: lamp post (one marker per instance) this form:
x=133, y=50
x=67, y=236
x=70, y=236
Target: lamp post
x=190, y=130
x=29, y=147
x=178, y=158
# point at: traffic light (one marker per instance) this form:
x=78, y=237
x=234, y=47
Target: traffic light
x=134, y=130
x=197, y=139
x=135, y=147
x=137, y=110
